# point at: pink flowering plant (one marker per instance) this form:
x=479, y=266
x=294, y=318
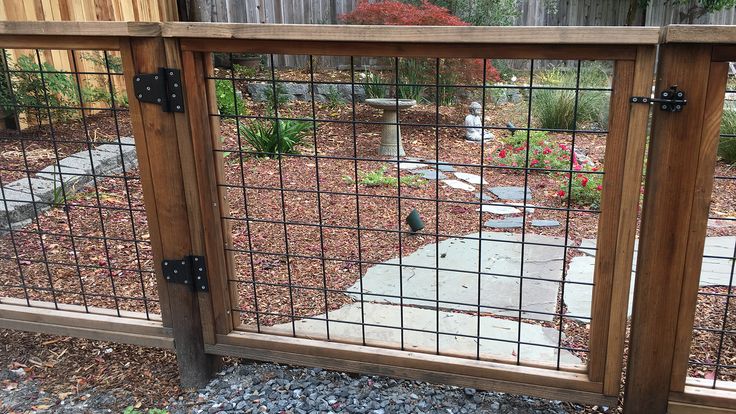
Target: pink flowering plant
x=544, y=152
x=548, y=155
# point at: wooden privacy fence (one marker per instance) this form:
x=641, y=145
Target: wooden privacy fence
x=232, y=266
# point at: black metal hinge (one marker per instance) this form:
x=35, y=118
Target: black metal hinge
x=190, y=270
x=163, y=88
x=672, y=99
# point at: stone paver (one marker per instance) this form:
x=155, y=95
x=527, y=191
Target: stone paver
x=578, y=297
x=483, y=197
x=385, y=319
x=459, y=185
x=459, y=280
x=716, y=269
x=430, y=174
x=528, y=208
x=501, y=210
x=470, y=178
x=505, y=223
x=446, y=168
x=411, y=165
x=545, y=223
x=511, y=193
x=70, y=174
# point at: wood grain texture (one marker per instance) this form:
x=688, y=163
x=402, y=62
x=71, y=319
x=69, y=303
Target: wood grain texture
x=70, y=320
x=441, y=50
x=705, y=170
x=206, y=163
x=440, y=369
x=674, y=150
x=683, y=33
x=89, y=28
x=615, y=163
x=417, y=34
x=164, y=166
x=628, y=209
x=705, y=397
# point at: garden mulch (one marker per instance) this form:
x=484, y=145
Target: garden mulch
x=379, y=218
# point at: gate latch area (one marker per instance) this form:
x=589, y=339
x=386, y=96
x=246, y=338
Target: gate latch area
x=190, y=270
x=163, y=88
x=671, y=100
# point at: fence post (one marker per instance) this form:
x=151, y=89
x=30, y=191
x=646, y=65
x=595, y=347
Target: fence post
x=680, y=147
x=168, y=201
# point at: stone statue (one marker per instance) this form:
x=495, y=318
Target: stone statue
x=473, y=125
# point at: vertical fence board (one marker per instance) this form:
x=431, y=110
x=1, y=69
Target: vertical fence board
x=699, y=221
x=675, y=148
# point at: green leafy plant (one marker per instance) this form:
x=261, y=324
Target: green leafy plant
x=334, y=100
x=33, y=91
x=378, y=178
x=374, y=85
x=727, y=144
x=281, y=98
x=270, y=138
x=244, y=72
x=544, y=153
x=412, y=73
x=556, y=109
x=99, y=88
x=229, y=102
x=585, y=189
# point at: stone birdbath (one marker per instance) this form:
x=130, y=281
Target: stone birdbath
x=391, y=133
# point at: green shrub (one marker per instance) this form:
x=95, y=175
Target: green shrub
x=727, y=145
x=585, y=190
x=378, y=178
x=375, y=86
x=334, y=100
x=544, y=152
x=244, y=72
x=281, y=96
x=34, y=94
x=411, y=75
x=270, y=138
x=555, y=109
x=229, y=102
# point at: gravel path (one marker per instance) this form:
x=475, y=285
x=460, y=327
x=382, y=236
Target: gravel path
x=269, y=388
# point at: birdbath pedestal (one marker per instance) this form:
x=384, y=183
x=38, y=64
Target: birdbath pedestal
x=391, y=132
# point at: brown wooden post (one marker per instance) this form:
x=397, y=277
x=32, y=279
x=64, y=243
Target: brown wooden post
x=681, y=145
x=168, y=203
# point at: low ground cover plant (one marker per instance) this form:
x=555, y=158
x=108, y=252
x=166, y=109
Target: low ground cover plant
x=270, y=138
x=378, y=178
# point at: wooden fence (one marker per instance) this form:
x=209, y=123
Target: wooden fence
x=185, y=196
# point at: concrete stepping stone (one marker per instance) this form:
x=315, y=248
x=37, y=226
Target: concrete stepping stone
x=483, y=197
x=459, y=185
x=446, y=168
x=511, y=193
x=457, y=282
x=411, y=165
x=716, y=269
x=505, y=223
x=579, y=297
x=529, y=209
x=502, y=210
x=471, y=178
x=430, y=174
x=457, y=338
x=545, y=223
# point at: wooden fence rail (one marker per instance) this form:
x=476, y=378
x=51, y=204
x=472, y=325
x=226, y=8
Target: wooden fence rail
x=181, y=168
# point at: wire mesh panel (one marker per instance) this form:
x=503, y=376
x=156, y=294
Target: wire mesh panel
x=713, y=349
x=447, y=206
x=73, y=229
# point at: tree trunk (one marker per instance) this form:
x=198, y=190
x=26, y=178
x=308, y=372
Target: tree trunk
x=637, y=15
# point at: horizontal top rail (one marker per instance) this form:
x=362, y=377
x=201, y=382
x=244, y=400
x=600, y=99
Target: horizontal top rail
x=93, y=29
x=416, y=34
x=681, y=33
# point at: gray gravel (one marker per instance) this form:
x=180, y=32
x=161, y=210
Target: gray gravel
x=269, y=388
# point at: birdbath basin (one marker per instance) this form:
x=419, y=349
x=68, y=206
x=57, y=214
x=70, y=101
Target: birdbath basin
x=391, y=132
